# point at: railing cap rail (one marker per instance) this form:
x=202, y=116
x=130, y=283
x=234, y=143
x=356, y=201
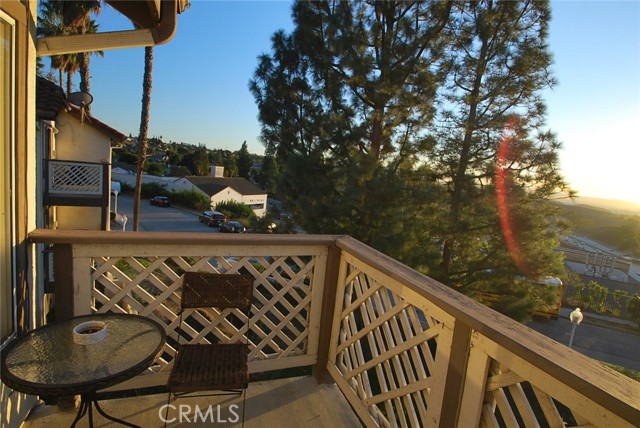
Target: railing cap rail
x=59, y=236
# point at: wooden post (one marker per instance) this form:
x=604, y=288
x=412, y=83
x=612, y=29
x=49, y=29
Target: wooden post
x=63, y=274
x=320, y=372
x=456, y=375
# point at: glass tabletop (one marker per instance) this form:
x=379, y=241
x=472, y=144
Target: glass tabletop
x=48, y=359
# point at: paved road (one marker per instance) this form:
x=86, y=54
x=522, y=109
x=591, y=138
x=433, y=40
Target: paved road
x=605, y=344
x=156, y=219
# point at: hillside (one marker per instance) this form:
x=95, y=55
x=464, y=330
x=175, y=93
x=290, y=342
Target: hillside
x=612, y=205
x=620, y=231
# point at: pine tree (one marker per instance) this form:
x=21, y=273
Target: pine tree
x=244, y=162
x=344, y=102
x=418, y=128
x=493, y=154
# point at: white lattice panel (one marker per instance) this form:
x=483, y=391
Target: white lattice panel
x=538, y=401
x=70, y=178
x=386, y=351
x=150, y=286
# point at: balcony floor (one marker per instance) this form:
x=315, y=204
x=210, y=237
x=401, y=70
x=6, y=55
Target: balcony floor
x=299, y=402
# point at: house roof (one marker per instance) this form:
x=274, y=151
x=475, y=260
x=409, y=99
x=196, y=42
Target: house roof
x=50, y=100
x=213, y=185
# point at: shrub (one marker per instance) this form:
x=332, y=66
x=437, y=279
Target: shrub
x=234, y=210
x=149, y=190
x=190, y=199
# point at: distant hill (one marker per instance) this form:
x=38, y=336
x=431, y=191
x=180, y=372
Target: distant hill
x=613, y=205
x=611, y=227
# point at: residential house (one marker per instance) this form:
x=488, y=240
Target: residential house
x=221, y=189
x=76, y=149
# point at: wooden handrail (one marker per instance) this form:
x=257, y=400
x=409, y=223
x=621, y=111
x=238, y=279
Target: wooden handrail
x=59, y=236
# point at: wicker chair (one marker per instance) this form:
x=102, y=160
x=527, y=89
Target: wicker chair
x=218, y=367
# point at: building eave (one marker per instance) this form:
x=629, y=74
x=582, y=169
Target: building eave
x=153, y=29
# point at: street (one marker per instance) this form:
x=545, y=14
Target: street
x=159, y=219
x=605, y=344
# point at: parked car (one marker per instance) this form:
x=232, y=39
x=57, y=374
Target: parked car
x=232, y=227
x=160, y=201
x=212, y=218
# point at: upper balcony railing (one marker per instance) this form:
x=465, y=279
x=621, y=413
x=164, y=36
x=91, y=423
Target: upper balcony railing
x=74, y=183
x=405, y=350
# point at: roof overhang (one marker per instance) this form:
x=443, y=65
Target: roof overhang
x=156, y=21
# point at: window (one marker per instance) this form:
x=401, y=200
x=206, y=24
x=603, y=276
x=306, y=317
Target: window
x=7, y=134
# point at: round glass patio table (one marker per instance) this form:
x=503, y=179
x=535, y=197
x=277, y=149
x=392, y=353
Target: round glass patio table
x=47, y=360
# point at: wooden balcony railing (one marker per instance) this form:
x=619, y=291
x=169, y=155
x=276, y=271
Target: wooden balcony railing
x=405, y=350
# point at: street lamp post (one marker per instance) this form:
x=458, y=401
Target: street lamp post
x=576, y=318
x=115, y=204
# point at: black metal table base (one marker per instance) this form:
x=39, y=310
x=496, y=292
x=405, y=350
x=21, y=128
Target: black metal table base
x=87, y=401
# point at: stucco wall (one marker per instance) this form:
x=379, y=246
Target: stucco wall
x=79, y=141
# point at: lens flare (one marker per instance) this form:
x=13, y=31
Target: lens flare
x=503, y=180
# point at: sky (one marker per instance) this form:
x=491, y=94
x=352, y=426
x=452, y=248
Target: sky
x=201, y=96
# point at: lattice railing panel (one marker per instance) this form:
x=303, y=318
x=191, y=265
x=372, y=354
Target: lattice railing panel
x=512, y=401
x=386, y=351
x=150, y=286
x=73, y=178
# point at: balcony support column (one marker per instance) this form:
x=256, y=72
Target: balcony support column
x=320, y=372
x=456, y=375
x=63, y=288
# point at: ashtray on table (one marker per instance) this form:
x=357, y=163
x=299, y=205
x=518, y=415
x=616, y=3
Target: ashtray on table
x=89, y=332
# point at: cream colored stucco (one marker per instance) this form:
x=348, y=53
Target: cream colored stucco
x=78, y=141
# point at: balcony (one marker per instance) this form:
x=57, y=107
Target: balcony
x=402, y=349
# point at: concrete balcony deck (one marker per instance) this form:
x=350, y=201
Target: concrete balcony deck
x=295, y=402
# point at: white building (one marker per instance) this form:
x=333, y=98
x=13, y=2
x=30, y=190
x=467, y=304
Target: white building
x=221, y=189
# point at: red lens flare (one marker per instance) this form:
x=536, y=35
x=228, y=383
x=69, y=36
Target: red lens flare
x=503, y=181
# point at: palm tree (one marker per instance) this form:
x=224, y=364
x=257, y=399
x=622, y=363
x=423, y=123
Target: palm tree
x=60, y=17
x=144, y=128
x=76, y=19
x=50, y=24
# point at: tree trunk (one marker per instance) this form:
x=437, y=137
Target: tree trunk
x=69, y=83
x=144, y=128
x=83, y=59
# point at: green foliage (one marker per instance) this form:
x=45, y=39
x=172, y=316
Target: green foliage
x=180, y=171
x=264, y=224
x=267, y=177
x=190, y=199
x=244, y=162
x=234, y=210
x=186, y=198
x=386, y=120
x=154, y=168
x=126, y=188
x=516, y=297
x=197, y=161
x=126, y=156
x=619, y=297
x=149, y=190
x=617, y=230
